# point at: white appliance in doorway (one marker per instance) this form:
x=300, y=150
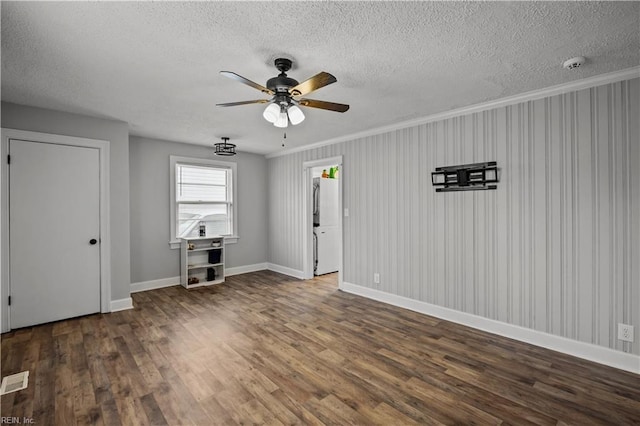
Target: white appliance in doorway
x=326, y=230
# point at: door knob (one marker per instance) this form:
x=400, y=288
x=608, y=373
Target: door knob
x=93, y=241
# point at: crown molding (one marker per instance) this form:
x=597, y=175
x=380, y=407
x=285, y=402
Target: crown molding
x=585, y=83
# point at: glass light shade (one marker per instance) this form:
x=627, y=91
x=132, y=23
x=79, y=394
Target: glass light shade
x=295, y=115
x=282, y=121
x=271, y=113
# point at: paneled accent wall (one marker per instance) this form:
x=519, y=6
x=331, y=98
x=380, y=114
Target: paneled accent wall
x=556, y=248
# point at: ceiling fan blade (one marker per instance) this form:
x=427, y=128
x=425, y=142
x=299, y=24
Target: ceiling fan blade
x=331, y=106
x=257, y=101
x=241, y=79
x=314, y=83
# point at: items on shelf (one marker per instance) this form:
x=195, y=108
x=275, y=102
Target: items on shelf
x=202, y=229
x=214, y=256
x=202, y=261
x=211, y=274
x=333, y=173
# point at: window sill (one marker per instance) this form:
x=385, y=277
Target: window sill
x=231, y=239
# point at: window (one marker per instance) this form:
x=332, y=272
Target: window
x=202, y=193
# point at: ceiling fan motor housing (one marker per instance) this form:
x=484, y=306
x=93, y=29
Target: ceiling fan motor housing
x=283, y=64
x=282, y=83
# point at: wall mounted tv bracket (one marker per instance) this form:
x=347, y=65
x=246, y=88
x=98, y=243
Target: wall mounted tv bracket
x=466, y=177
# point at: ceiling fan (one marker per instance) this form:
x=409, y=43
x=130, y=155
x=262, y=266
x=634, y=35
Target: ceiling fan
x=286, y=92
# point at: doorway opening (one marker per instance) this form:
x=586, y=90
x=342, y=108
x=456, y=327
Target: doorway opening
x=323, y=218
x=68, y=247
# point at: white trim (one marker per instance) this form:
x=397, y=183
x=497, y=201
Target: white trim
x=585, y=83
x=154, y=284
x=173, y=160
x=286, y=271
x=331, y=161
x=175, y=281
x=121, y=304
x=229, y=239
x=307, y=214
x=588, y=351
x=105, y=215
x=237, y=270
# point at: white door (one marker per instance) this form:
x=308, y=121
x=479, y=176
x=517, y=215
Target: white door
x=54, y=226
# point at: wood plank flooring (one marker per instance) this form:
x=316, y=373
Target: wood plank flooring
x=267, y=349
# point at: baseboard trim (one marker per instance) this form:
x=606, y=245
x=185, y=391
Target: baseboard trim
x=121, y=304
x=154, y=284
x=172, y=281
x=237, y=270
x=588, y=351
x=286, y=271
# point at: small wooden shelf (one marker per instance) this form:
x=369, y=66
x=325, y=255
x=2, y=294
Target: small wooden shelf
x=204, y=265
x=204, y=249
x=203, y=261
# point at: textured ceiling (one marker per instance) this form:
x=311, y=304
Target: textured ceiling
x=156, y=65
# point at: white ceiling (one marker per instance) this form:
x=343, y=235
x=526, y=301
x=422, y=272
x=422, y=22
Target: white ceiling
x=156, y=65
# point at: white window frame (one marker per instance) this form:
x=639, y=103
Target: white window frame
x=173, y=161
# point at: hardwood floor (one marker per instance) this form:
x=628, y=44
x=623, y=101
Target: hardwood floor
x=267, y=349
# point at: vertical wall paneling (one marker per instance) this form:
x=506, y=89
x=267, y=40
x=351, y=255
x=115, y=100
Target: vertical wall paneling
x=634, y=207
x=529, y=179
x=627, y=283
x=605, y=187
x=595, y=211
x=554, y=183
x=584, y=237
x=494, y=214
x=436, y=249
x=562, y=203
x=503, y=214
x=613, y=187
x=485, y=294
x=555, y=248
x=471, y=266
x=393, y=276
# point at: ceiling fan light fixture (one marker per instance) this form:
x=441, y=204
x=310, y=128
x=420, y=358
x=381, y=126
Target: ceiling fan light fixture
x=271, y=113
x=285, y=92
x=295, y=115
x=283, y=120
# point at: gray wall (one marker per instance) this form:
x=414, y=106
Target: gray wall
x=117, y=132
x=151, y=256
x=556, y=248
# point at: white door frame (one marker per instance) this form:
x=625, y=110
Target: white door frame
x=105, y=235
x=307, y=211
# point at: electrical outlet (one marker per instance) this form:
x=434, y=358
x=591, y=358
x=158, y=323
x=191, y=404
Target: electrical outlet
x=376, y=278
x=625, y=332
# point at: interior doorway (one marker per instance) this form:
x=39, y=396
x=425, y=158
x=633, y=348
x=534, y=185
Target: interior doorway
x=54, y=232
x=54, y=211
x=322, y=222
